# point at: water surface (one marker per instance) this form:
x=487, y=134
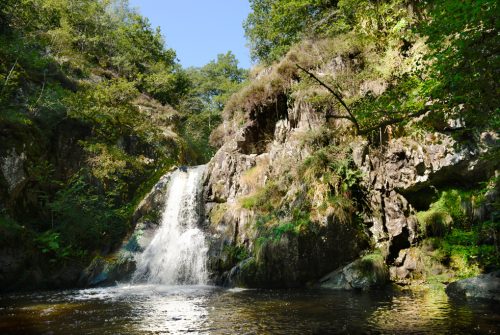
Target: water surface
x=155, y=309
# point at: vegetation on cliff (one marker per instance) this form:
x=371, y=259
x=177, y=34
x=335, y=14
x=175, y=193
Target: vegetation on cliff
x=372, y=72
x=94, y=108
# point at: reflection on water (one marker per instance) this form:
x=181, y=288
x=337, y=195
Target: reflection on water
x=153, y=309
x=416, y=313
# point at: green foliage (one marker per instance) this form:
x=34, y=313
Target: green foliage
x=108, y=108
x=86, y=89
x=273, y=226
x=274, y=26
x=330, y=177
x=48, y=242
x=11, y=233
x=466, y=246
x=233, y=254
x=447, y=53
x=465, y=255
x=266, y=199
x=407, y=97
x=444, y=213
x=464, y=57
x=209, y=90
x=215, y=82
x=86, y=219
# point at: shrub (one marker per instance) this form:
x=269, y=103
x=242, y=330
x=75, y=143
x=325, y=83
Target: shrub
x=446, y=212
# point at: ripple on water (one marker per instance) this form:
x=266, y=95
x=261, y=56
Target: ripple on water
x=156, y=309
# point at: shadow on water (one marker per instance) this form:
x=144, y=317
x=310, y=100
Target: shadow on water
x=154, y=309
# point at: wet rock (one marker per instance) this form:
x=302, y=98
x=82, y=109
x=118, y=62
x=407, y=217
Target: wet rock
x=363, y=274
x=485, y=286
x=120, y=264
x=106, y=271
x=294, y=260
x=12, y=264
x=406, y=264
x=154, y=200
x=12, y=167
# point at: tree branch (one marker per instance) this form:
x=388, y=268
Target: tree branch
x=351, y=117
x=392, y=121
x=10, y=73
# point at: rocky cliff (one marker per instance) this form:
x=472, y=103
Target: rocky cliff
x=294, y=194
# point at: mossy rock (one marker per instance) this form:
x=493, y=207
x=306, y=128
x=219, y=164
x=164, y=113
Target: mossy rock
x=296, y=259
x=365, y=273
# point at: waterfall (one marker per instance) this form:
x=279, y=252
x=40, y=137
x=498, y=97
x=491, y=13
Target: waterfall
x=178, y=252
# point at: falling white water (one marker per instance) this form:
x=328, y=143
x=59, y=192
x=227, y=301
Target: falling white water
x=178, y=253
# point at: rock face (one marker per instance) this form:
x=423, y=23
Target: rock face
x=13, y=169
x=363, y=274
x=120, y=265
x=265, y=147
x=22, y=269
x=294, y=259
x=397, y=179
x=402, y=174
x=485, y=286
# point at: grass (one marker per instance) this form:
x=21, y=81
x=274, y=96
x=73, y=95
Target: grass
x=217, y=213
x=254, y=177
x=265, y=199
x=446, y=212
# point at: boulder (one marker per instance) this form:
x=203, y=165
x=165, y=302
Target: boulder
x=362, y=274
x=294, y=260
x=485, y=286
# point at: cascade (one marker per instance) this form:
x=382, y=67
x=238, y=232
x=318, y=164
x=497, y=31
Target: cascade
x=177, y=255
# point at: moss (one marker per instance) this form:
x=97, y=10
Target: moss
x=464, y=247
x=373, y=266
x=231, y=255
x=444, y=213
x=11, y=233
x=272, y=227
x=434, y=222
x=265, y=199
x=459, y=254
x=217, y=213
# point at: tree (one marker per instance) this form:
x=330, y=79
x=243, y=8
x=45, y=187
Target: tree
x=464, y=57
x=217, y=80
x=274, y=25
x=211, y=87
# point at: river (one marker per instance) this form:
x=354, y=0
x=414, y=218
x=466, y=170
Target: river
x=157, y=309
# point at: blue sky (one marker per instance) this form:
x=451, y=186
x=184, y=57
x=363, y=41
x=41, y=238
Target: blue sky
x=199, y=30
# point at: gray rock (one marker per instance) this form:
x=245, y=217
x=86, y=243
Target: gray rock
x=154, y=200
x=485, y=286
x=294, y=260
x=363, y=274
x=12, y=167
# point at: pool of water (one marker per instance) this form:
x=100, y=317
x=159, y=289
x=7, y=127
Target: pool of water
x=154, y=309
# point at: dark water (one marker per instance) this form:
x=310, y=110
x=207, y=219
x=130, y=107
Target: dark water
x=209, y=310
